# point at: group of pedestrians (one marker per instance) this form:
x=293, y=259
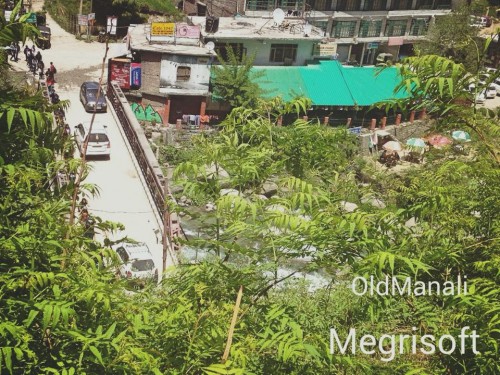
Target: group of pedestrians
x=34, y=60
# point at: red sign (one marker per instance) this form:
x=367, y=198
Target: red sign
x=119, y=71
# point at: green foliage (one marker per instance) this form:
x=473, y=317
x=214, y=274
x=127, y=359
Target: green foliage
x=453, y=37
x=233, y=80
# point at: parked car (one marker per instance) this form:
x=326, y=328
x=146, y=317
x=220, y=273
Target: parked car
x=98, y=143
x=496, y=84
x=88, y=97
x=480, y=96
x=136, y=261
x=491, y=91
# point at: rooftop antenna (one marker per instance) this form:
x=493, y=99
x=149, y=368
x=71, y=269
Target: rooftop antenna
x=278, y=16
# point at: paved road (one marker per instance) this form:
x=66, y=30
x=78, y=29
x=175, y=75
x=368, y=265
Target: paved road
x=122, y=195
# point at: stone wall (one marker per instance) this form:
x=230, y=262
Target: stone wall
x=400, y=132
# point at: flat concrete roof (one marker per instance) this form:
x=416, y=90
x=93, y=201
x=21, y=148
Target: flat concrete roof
x=140, y=40
x=241, y=27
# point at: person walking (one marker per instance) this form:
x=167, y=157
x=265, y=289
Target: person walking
x=16, y=51
x=26, y=51
x=12, y=51
x=33, y=49
x=52, y=68
x=38, y=56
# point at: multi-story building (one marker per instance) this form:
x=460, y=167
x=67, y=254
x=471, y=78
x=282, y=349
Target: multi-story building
x=360, y=29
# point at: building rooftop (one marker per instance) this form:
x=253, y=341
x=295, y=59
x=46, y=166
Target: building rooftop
x=140, y=40
x=241, y=27
x=331, y=84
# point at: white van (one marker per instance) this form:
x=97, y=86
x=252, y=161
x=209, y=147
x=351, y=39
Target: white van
x=98, y=140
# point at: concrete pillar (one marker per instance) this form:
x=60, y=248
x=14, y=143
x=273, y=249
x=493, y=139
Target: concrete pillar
x=326, y=120
x=398, y=119
x=412, y=117
x=383, y=122
x=349, y=121
x=423, y=114
x=373, y=124
x=178, y=124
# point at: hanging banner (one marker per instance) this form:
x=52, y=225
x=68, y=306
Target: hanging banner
x=162, y=29
x=135, y=75
x=119, y=71
x=183, y=30
x=111, y=25
x=83, y=20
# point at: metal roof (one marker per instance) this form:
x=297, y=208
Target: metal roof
x=331, y=84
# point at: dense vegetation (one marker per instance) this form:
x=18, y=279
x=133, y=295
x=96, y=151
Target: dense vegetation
x=62, y=311
x=129, y=11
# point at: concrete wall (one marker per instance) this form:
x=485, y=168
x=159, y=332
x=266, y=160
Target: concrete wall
x=200, y=69
x=150, y=72
x=262, y=48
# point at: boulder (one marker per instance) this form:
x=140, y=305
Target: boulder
x=269, y=188
x=348, y=206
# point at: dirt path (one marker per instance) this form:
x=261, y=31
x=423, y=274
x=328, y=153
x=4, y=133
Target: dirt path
x=76, y=60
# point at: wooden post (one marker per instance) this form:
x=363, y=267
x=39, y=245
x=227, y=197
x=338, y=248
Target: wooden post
x=280, y=121
x=305, y=118
x=398, y=119
x=349, y=121
x=167, y=111
x=383, y=122
x=412, y=117
x=326, y=120
x=423, y=114
x=178, y=124
x=233, y=324
x=373, y=124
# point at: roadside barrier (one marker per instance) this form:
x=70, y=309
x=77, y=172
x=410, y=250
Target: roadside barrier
x=153, y=175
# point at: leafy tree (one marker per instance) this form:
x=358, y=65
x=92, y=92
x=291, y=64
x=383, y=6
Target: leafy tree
x=234, y=81
x=453, y=37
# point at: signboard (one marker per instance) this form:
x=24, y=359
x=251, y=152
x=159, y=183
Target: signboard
x=135, y=75
x=83, y=20
x=356, y=130
x=162, y=29
x=91, y=16
x=395, y=41
x=372, y=45
x=111, y=25
x=119, y=71
x=325, y=49
x=7, y=14
x=183, y=30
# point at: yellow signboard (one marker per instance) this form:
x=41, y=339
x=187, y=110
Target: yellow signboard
x=162, y=29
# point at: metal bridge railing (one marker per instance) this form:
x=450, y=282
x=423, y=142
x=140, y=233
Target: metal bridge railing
x=155, y=180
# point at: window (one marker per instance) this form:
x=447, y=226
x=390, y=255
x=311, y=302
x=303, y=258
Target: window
x=183, y=73
x=443, y=4
x=370, y=29
x=283, y=52
x=343, y=29
x=222, y=50
x=343, y=5
x=401, y=4
x=425, y=4
x=260, y=5
x=396, y=28
x=375, y=5
x=123, y=254
x=419, y=26
x=319, y=5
